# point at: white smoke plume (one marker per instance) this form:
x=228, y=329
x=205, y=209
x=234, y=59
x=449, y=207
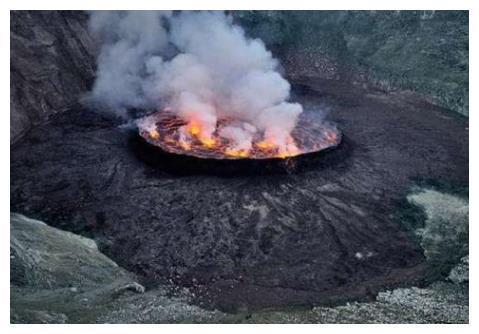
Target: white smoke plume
x=198, y=64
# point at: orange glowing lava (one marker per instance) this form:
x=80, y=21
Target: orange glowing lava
x=196, y=129
x=265, y=145
x=237, y=153
x=154, y=134
x=174, y=135
x=207, y=141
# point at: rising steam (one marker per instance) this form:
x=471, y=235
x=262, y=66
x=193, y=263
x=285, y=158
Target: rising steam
x=200, y=66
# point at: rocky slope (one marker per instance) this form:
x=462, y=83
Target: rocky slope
x=51, y=65
x=53, y=272
x=58, y=277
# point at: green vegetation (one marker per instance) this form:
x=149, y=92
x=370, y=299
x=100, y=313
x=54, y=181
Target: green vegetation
x=425, y=51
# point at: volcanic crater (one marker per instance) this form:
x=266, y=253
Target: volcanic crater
x=322, y=234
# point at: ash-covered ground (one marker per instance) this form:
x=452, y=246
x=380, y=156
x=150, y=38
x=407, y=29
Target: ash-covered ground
x=340, y=230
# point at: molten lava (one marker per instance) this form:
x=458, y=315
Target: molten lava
x=174, y=135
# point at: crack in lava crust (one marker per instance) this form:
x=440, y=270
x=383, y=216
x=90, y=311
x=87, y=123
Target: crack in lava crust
x=163, y=129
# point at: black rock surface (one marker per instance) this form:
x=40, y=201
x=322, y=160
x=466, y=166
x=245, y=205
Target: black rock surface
x=322, y=234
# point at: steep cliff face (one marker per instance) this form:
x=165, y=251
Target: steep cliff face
x=51, y=65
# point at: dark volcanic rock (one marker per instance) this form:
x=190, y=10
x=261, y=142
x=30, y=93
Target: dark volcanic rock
x=59, y=277
x=51, y=65
x=322, y=235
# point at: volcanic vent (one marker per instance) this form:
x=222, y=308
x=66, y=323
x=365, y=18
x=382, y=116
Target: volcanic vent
x=218, y=94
